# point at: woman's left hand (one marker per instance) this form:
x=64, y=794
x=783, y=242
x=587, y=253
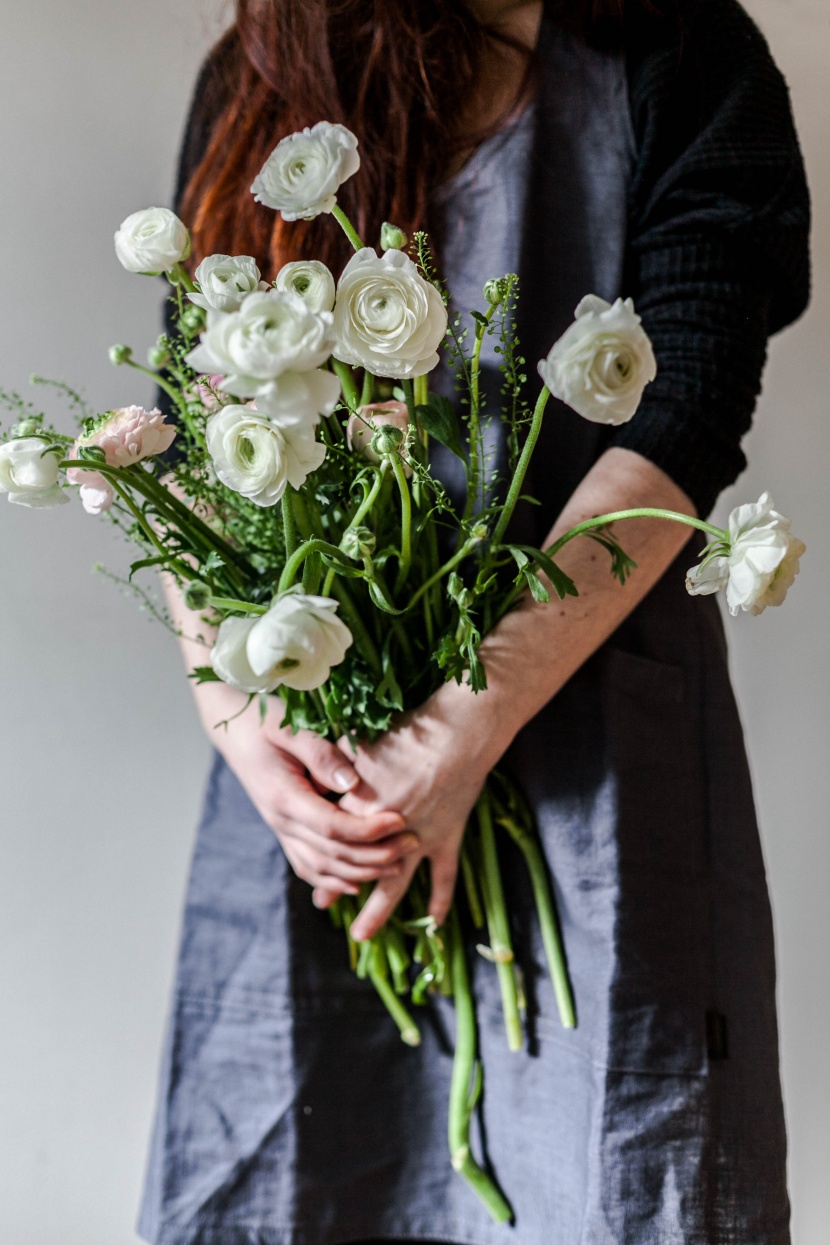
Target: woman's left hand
x=431, y=770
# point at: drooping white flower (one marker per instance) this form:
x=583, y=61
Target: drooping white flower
x=224, y=280
x=310, y=280
x=602, y=363
x=29, y=473
x=151, y=241
x=294, y=644
x=758, y=565
x=259, y=458
x=271, y=333
x=387, y=318
x=300, y=397
x=303, y=173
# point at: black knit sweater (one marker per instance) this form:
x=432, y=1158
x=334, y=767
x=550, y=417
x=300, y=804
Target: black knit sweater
x=717, y=253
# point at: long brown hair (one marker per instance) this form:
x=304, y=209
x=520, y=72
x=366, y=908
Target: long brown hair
x=397, y=73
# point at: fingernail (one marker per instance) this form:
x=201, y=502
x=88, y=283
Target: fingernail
x=345, y=779
x=409, y=842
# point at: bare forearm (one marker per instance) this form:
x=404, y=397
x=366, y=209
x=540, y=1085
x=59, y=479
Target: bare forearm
x=535, y=649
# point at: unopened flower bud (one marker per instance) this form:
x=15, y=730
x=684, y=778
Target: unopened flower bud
x=479, y=533
x=197, y=595
x=120, y=354
x=192, y=319
x=387, y=441
x=358, y=542
x=458, y=592
x=392, y=238
x=495, y=290
x=158, y=356
x=27, y=428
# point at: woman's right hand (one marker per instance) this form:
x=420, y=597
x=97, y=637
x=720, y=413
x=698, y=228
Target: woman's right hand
x=288, y=778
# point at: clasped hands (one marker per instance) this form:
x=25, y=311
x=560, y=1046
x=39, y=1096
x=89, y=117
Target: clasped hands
x=402, y=799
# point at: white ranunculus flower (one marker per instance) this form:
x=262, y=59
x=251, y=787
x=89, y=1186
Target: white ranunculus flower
x=271, y=333
x=295, y=643
x=301, y=397
x=761, y=562
x=224, y=280
x=303, y=173
x=298, y=641
x=29, y=473
x=258, y=458
x=309, y=279
x=602, y=363
x=387, y=318
x=151, y=241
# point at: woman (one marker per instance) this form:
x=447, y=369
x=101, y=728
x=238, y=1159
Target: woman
x=652, y=157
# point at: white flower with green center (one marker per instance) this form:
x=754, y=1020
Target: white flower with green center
x=602, y=363
x=224, y=281
x=271, y=333
x=295, y=644
x=259, y=458
x=757, y=564
x=387, y=318
x=310, y=280
x=303, y=173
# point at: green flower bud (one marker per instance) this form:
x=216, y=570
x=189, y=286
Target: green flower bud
x=479, y=533
x=392, y=238
x=197, y=595
x=358, y=542
x=27, y=428
x=120, y=354
x=158, y=356
x=458, y=592
x=387, y=441
x=495, y=290
x=192, y=318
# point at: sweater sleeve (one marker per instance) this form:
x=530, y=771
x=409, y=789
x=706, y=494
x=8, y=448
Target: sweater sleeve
x=718, y=236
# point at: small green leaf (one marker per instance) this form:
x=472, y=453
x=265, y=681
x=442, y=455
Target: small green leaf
x=438, y=420
x=204, y=674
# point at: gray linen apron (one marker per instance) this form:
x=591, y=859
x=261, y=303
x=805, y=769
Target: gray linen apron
x=290, y=1113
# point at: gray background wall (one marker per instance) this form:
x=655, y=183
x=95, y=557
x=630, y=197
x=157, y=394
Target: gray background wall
x=102, y=759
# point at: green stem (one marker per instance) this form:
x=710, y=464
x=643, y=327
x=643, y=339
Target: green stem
x=147, y=529
x=406, y=522
x=476, y=448
x=179, y=275
x=357, y=518
x=442, y=571
x=292, y=566
x=351, y=615
x=497, y=924
x=378, y=975
x=347, y=383
x=368, y=390
x=237, y=607
x=169, y=389
x=289, y=525
x=462, y=1102
x=546, y=910
x=640, y=512
x=522, y=465
x=421, y=390
x=471, y=888
x=347, y=227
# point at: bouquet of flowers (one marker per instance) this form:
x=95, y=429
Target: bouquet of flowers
x=299, y=513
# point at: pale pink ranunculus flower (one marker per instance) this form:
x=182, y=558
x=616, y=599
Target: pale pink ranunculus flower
x=364, y=423
x=97, y=494
x=126, y=436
